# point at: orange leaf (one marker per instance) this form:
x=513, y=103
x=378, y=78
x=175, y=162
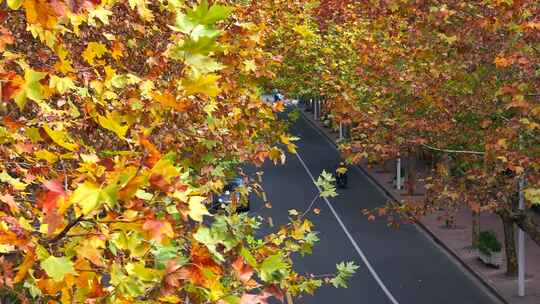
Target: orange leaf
x=169, y=100
x=10, y=201
x=158, y=229
x=28, y=262
x=154, y=156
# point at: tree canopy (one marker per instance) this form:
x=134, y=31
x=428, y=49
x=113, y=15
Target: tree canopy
x=119, y=121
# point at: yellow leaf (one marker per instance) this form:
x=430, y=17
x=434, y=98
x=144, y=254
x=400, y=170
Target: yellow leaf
x=250, y=65
x=113, y=122
x=47, y=156
x=304, y=31
x=276, y=155
x=205, y=84
x=94, y=50
x=170, y=299
x=196, y=208
x=61, y=138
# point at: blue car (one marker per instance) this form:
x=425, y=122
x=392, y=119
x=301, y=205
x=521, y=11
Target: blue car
x=228, y=195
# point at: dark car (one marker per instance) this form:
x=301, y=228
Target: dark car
x=230, y=195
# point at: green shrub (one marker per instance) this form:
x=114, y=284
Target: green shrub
x=488, y=242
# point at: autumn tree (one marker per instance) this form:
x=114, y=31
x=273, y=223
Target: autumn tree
x=120, y=119
x=455, y=79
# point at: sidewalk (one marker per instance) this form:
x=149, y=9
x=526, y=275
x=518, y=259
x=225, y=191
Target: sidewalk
x=457, y=240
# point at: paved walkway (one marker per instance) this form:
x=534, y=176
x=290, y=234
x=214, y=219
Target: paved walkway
x=457, y=241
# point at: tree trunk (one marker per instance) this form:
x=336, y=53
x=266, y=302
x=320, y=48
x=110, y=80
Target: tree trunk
x=411, y=173
x=475, y=229
x=527, y=223
x=510, y=245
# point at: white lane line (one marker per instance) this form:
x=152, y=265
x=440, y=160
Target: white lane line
x=349, y=236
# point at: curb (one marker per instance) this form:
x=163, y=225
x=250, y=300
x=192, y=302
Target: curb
x=419, y=224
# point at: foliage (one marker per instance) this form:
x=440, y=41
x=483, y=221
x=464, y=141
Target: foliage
x=454, y=79
x=120, y=119
x=488, y=242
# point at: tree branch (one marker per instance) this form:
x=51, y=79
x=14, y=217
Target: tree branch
x=453, y=151
x=66, y=230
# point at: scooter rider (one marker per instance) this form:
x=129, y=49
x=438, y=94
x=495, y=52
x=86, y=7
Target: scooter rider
x=341, y=175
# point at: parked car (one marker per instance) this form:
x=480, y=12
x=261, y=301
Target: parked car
x=231, y=195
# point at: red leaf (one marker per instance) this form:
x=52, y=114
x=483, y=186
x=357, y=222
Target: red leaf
x=54, y=186
x=158, y=182
x=275, y=291
x=244, y=272
x=53, y=221
x=254, y=299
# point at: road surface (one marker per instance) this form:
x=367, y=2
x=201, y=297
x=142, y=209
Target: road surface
x=396, y=266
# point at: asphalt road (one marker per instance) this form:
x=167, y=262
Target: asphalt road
x=408, y=265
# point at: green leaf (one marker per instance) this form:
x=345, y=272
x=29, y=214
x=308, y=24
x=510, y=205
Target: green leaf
x=127, y=284
x=57, y=268
x=271, y=266
x=203, y=45
x=89, y=196
x=244, y=252
x=31, y=89
x=183, y=24
x=231, y=299
x=345, y=271
x=61, y=84
x=326, y=183
x=208, y=16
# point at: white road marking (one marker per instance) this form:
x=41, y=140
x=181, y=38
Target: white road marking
x=349, y=236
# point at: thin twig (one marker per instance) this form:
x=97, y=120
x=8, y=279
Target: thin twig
x=66, y=230
x=65, y=177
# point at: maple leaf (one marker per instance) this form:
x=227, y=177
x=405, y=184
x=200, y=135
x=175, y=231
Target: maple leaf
x=57, y=267
x=204, y=15
x=10, y=201
x=250, y=65
x=61, y=138
x=196, y=208
x=94, y=50
x=28, y=262
x=88, y=196
x=205, y=84
x=169, y=100
x=158, y=229
x=243, y=271
x=114, y=122
x=31, y=88
x=254, y=298
x=5, y=38
x=154, y=154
